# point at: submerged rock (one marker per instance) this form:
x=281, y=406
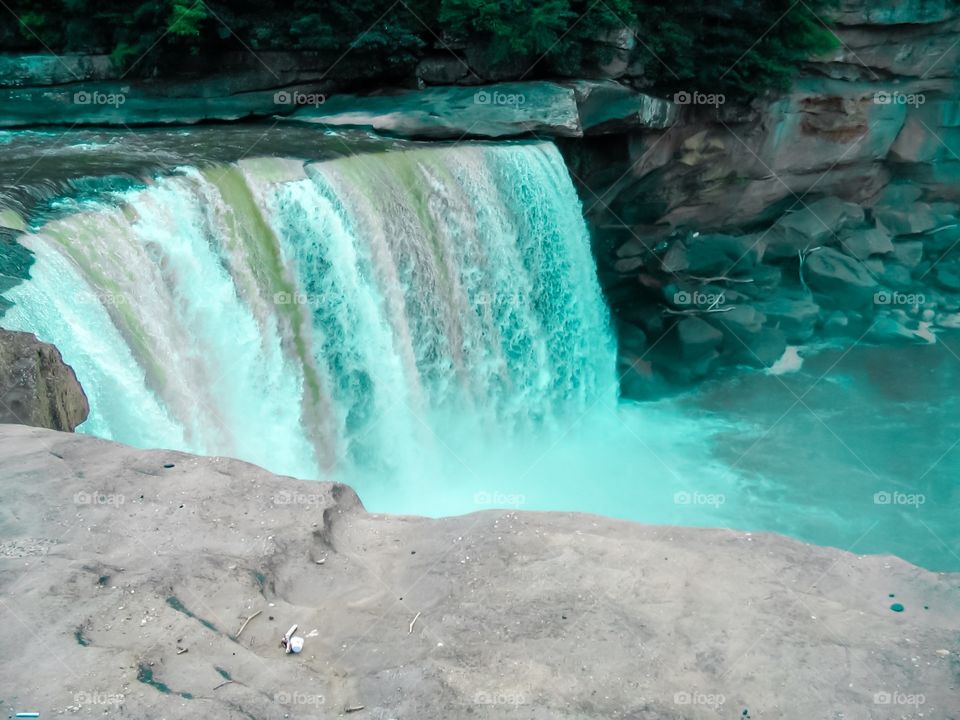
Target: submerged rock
x=36, y=387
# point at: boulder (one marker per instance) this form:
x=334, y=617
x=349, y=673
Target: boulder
x=445, y=69
x=843, y=281
x=893, y=12
x=861, y=243
x=747, y=339
x=814, y=225
x=36, y=387
x=837, y=324
x=945, y=213
x=697, y=338
x=797, y=318
x=941, y=241
x=908, y=253
x=609, y=107
x=948, y=276
x=893, y=275
x=714, y=253
x=452, y=113
x=906, y=219
x=897, y=194
x=766, y=348
x=888, y=327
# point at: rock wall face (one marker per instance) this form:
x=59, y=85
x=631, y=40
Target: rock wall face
x=36, y=387
x=829, y=210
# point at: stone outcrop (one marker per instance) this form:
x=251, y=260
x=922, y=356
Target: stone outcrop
x=132, y=571
x=36, y=387
x=453, y=113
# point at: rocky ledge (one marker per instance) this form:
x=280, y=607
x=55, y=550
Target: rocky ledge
x=127, y=576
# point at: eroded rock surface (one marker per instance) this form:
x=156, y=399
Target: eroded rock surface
x=126, y=575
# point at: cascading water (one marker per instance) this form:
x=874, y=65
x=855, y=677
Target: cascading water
x=426, y=325
x=367, y=314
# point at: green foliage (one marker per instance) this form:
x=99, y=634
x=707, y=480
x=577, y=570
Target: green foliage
x=186, y=17
x=736, y=47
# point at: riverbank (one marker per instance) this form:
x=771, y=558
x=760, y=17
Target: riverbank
x=127, y=574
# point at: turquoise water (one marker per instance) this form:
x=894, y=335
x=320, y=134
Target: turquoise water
x=427, y=326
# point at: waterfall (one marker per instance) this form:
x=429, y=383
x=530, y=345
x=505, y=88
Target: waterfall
x=316, y=317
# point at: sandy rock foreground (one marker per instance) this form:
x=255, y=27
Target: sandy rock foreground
x=126, y=574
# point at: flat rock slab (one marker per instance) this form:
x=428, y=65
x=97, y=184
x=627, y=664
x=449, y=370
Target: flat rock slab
x=454, y=113
x=126, y=574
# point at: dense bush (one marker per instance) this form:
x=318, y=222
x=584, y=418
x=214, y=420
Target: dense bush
x=730, y=46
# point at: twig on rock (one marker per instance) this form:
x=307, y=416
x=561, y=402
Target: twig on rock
x=245, y=623
x=720, y=278
x=699, y=311
x=225, y=682
x=412, y=623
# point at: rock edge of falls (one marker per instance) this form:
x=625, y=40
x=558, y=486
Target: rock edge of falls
x=129, y=572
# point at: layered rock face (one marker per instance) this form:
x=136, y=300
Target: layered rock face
x=109, y=610
x=830, y=210
x=36, y=386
